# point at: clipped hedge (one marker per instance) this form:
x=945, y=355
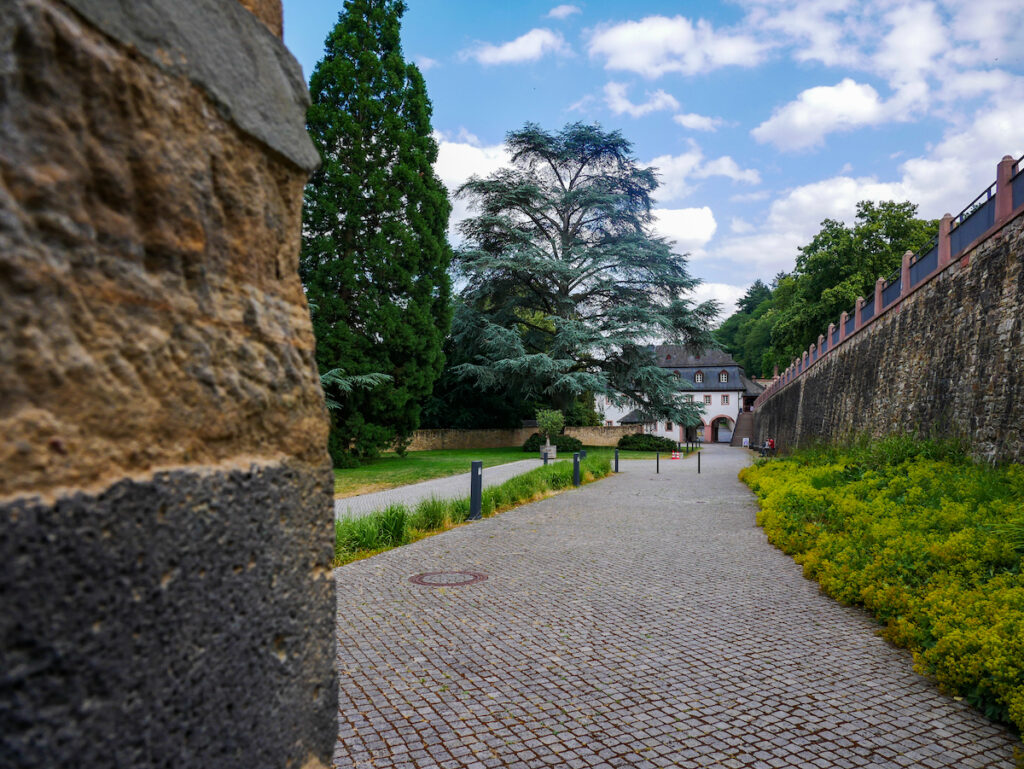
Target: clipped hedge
x=561, y=442
x=929, y=542
x=397, y=525
x=642, y=442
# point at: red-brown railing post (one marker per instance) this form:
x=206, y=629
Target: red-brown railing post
x=945, y=250
x=1004, y=193
x=857, y=319
x=879, y=285
x=905, y=274
x=842, y=325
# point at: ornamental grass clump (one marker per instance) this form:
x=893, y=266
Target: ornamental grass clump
x=926, y=540
x=357, y=538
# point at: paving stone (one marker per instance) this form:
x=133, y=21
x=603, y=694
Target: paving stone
x=642, y=620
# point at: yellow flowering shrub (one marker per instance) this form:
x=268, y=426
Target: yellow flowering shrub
x=929, y=542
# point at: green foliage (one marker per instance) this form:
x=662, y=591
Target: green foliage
x=550, y=422
x=563, y=276
x=561, y=442
x=644, y=442
x=582, y=412
x=336, y=381
x=926, y=540
x=839, y=264
x=359, y=537
x=374, y=253
x=464, y=404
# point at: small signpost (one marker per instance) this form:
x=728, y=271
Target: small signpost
x=476, y=490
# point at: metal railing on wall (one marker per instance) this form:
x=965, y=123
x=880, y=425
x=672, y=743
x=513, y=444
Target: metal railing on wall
x=1000, y=202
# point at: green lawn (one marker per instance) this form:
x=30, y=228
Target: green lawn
x=391, y=470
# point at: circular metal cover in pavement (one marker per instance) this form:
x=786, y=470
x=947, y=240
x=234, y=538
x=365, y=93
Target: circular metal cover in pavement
x=447, y=578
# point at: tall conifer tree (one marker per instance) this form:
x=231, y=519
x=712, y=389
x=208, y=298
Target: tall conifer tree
x=375, y=253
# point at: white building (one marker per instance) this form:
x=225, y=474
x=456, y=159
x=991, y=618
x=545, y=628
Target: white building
x=716, y=383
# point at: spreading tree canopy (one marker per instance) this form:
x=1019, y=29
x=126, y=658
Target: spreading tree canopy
x=566, y=285
x=374, y=253
x=774, y=325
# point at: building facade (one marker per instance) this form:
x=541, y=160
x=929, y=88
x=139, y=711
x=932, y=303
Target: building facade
x=711, y=379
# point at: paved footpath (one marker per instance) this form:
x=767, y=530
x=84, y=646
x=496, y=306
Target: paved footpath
x=450, y=487
x=641, y=621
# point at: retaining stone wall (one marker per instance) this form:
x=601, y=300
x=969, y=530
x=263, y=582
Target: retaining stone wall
x=602, y=436
x=165, y=489
x=946, y=362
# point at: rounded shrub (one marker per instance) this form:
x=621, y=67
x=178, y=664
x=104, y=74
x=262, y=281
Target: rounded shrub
x=643, y=442
x=561, y=442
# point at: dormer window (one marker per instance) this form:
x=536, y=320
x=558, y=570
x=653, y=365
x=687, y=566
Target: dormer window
x=699, y=377
x=723, y=376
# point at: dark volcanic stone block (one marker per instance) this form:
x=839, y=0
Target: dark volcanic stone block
x=164, y=623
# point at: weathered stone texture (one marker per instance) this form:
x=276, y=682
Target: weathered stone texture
x=165, y=491
x=269, y=12
x=948, y=361
x=166, y=623
x=150, y=257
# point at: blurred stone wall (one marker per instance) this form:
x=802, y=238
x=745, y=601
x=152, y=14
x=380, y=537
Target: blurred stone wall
x=947, y=362
x=165, y=490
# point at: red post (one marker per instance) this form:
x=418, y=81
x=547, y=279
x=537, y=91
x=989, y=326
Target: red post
x=944, y=246
x=905, y=274
x=831, y=331
x=1004, y=194
x=821, y=338
x=857, y=320
x=806, y=356
x=775, y=372
x=879, y=284
x=842, y=325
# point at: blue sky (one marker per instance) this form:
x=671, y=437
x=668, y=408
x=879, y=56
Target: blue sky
x=763, y=116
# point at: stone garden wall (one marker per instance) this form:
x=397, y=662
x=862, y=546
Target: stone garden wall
x=948, y=360
x=433, y=440
x=602, y=436
x=165, y=490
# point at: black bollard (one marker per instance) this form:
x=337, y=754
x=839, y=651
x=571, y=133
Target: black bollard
x=657, y=462
x=476, y=490
x=545, y=459
x=616, y=460
x=698, y=463
x=576, y=469
x=583, y=453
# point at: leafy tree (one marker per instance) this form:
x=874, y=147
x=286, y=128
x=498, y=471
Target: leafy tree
x=839, y=264
x=564, y=281
x=842, y=263
x=374, y=253
x=549, y=423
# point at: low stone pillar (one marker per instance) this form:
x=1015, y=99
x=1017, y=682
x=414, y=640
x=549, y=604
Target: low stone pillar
x=905, y=274
x=858, y=319
x=879, y=285
x=843, y=317
x=165, y=490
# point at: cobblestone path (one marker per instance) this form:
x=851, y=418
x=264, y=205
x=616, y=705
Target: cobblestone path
x=641, y=621
x=449, y=487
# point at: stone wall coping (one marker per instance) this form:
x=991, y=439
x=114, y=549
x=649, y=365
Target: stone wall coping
x=228, y=52
x=1005, y=215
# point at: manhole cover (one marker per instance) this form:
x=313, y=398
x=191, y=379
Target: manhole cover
x=447, y=578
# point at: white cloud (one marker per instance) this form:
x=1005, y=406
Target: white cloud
x=457, y=160
x=426, y=63
x=697, y=122
x=562, y=11
x=532, y=46
x=724, y=293
x=676, y=171
x=944, y=180
x=657, y=45
x=726, y=166
x=617, y=101
x=740, y=226
x=690, y=228
x=819, y=111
